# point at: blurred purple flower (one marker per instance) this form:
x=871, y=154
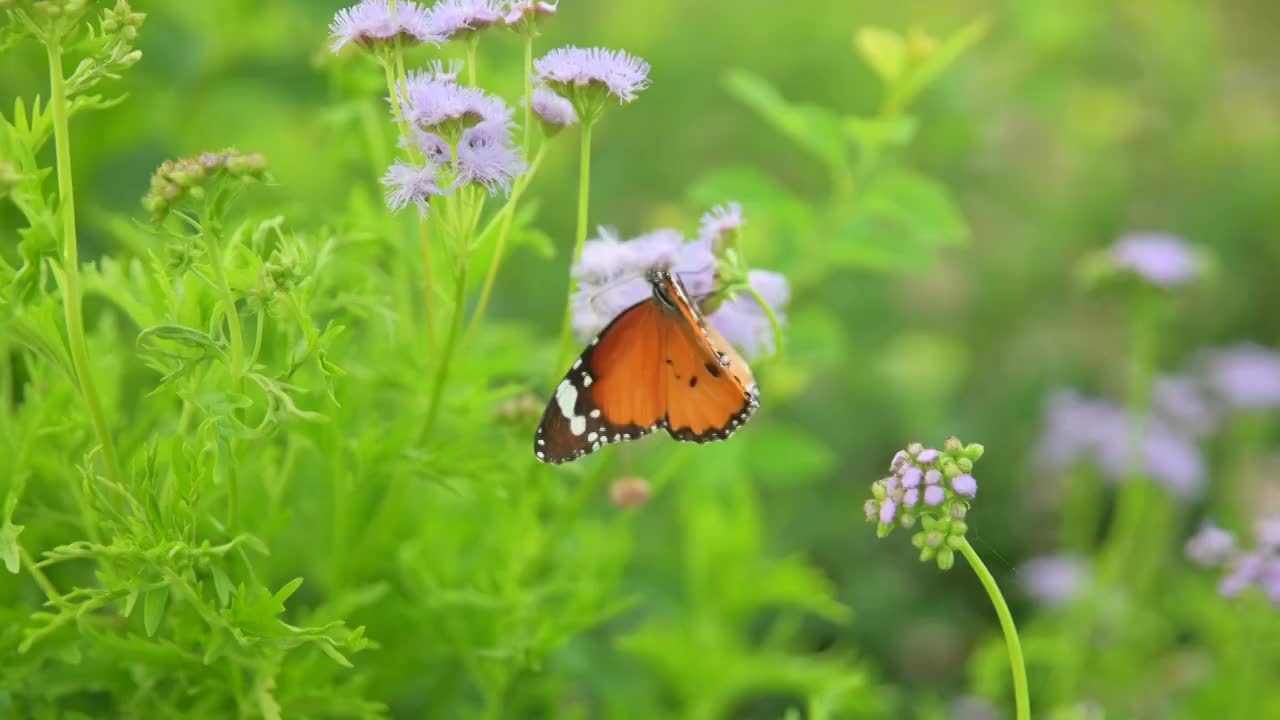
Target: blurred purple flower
x=411, y=185
x=1267, y=533
x=1244, y=571
x=974, y=708
x=1084, y=430
x=965, y=485
x=523, y=10
x=927, y=456
x=934, y=495
x=719, y=222
x=371, y=21
x=451, y=18
x=554, y=111
x=744, y=323
x=1162, y=260
x=567, y=68
x=888, y=510
x=611, y=274
x=487, y=158
x=1179, y=402
x=433, y=99
x=911, y=477
x=1054, y=580
x=1245, y=376
x=911, y=497
x=1211, y=546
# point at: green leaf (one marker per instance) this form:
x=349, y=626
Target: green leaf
x=812, y=127
x=922, y=204
x=877, y=132
x=221, y=584
x=153, y=606
x=286, y=592
x=9, y=550
x=884, y=50
x=938, y=60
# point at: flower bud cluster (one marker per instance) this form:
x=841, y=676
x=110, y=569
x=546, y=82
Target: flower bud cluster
x=930, y=487
x=195, y=177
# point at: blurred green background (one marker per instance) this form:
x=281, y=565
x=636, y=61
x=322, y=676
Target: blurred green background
x=1066, y=126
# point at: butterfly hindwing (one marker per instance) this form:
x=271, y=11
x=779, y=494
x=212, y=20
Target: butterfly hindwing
x=608, y=395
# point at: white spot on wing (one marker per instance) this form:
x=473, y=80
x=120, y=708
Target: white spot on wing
x=577, y=425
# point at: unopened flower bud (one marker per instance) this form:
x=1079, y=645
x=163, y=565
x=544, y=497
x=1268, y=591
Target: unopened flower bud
x=952, y=444
x=965, y=464
x=959, y=528
x=915, y=449
x=974, y=451
x=955, y=542
x=630, y=493
x=946, y=558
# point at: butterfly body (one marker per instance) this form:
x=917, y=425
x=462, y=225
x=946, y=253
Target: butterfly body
x=657, y=365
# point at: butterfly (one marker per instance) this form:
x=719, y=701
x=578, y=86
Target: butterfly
x=657, y=365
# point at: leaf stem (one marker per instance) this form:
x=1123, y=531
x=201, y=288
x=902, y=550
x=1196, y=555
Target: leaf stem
x=73, y=294
x=773, y=317
x=1022, y=701
x=584, y=198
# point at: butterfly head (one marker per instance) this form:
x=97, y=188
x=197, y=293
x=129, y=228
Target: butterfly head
x=666, y=288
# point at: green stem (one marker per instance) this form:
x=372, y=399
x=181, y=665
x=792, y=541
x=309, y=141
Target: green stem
x=446, y=359
x=773, y=317
x=584, y=198
x=528, y=91
x=218, y=263
x=472, y=43
x=507, y=218
x=1022, y=700
x=73, y=295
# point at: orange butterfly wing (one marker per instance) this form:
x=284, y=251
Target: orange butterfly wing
x=614, y=392
x=657, y=364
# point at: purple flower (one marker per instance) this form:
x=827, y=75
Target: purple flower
x=611, y=274
x=899, y=459
x=911, y=476
x=566, y=69
x=1267, y=532
x=1054, y=580
x=1245, y=570
x=721, y=221
x=433, y=100
x=371, y=22
x=554, y=111
x=1245, y=377
x=934, y=495
x=524, y=10
x=411, y=185
x=1211, y=546
x=451, y=18
x=965, y=485
x=487, y=158
x=1096, y=432
x=911, y=497
x=744, y=323
x=1162, y=260
x=1269, y=580
x=933, y=477
x=888, y=509
x=1178, y=401
x=927, y=456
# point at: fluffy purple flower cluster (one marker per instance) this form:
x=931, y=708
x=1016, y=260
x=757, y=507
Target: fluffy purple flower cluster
x=555, y=112
x=611, y=278
x=1214, y=547
x=569, y=69
x=1244, y=377
x=456, y=18
x=464, y=135
x=932, y=486
x=371, y=22
x=1163, y=260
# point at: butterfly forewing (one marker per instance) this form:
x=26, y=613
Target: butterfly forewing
x=609, y=393
x=657, y=364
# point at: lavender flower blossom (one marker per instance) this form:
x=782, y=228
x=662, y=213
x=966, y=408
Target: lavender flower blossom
x=1245, y=377
x=744, y=323
x=896, y=500
x=450, y=19
x=1162, y=260
x=411, y=185
x=1211, y=546
x=1178, y=401
x=434, y=101
x=371, y=22
x=567, y=69
x=524, y=11
x=555, y=112
x=1096, y=432
x=487, y=158
x=1054, y=580
x=720, y=223
x=611, y=274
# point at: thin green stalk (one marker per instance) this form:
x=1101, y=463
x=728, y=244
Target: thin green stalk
x=528, y=91
x=1021, y=697
x=584, y=198
x=472, y=43
x=218, y=263
x=507, y=218
x=73, y=294
x=446, y=358
x=773, y=317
